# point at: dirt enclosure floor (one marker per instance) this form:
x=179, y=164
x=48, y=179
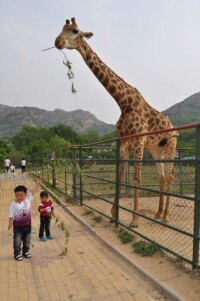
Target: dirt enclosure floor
x=181, y=217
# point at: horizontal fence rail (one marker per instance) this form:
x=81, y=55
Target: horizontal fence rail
x=90, y=175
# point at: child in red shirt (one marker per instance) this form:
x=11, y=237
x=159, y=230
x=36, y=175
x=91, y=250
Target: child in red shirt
x=46, y=209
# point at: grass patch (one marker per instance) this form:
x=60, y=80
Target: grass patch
x=125, y=236
x=86, y=167
x=69, y=200
x=145, y=248
x=87, y=212
x=97, y=219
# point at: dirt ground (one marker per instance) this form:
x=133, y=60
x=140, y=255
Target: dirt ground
x=172, y=272
x=181, y=217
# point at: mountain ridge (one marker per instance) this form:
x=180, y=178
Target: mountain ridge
x=186, y=111
x=12, y=119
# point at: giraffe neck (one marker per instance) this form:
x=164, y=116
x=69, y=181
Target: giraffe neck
x=115, y=85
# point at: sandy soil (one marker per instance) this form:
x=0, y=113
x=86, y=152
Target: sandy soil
x=181, y=217
x=171, y=271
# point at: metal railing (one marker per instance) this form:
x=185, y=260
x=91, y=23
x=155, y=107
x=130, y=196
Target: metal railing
x=89, y=174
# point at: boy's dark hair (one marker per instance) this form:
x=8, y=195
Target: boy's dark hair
x=43, y=194
x=20, y=188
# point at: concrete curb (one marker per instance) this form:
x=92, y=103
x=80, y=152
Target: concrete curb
x=167, y=290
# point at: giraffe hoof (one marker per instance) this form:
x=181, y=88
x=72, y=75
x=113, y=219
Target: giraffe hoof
x=111, y=221
x=157, y=216
x=133, y=225
x=165, y=221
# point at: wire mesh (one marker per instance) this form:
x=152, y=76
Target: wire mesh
x=88, y=174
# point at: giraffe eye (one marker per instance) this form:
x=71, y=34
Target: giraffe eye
x=75, y=31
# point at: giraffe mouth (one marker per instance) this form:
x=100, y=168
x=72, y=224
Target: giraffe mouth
x=58, y=44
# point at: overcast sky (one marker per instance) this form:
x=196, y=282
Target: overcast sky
x=153, y=44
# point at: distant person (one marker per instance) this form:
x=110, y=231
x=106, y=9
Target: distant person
x=7, y=163
x=12, y=168
x=23, y=165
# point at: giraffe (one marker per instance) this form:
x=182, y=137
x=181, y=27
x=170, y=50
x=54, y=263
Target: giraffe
x=137, y=116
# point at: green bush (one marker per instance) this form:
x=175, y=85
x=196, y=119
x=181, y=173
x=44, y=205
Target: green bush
x=87, y=212
x=97, y=219
x=125, y=236
x=145, y=248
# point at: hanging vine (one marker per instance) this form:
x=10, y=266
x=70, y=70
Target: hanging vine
x=62, y=226
x=70, y=73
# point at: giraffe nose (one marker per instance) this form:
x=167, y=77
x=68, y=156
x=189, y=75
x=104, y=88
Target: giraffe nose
x=58, y=43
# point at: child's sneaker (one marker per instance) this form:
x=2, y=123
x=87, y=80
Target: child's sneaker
x=42, y=239
x=27, y=255
x=19, y=257
x=50, y=237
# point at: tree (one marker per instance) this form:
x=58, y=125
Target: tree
x=65, y=132
x=5, y=148
x=90, y=136
x=30, y=134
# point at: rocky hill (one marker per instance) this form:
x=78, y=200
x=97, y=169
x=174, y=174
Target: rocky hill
x=12, y=119
x=186, y=111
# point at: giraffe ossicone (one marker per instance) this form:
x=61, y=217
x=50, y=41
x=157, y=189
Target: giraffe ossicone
x=137, y=117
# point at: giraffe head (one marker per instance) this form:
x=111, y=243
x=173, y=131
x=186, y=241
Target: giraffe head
x=71, y=36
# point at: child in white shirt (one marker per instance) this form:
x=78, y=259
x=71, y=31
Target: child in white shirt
x=20, y=219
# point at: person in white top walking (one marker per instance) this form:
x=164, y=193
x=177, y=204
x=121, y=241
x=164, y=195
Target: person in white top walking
x=23, y=165
x=7, y=163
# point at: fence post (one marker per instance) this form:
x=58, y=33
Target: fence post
x=53, y=158
x=74, y=173
x=127, y=180
x=34, y=165
x=196, y=238
x=48, y=174
x=42, y=172
x=65, y=171
x=181, y=180
x=117, y=181
x=81, y=184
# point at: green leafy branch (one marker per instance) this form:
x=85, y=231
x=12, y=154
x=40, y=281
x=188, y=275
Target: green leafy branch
x=62, y=226
x=70, y=74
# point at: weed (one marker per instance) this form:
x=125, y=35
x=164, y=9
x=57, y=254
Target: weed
x=87, y=212
x=69, y=200
x=145, y=248
x=180, y=264
x=61, y=225
x=97, y=219
x=125, y=236
x=86, y=166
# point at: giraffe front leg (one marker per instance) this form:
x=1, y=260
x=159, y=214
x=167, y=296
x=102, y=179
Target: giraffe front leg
x=124, y=155
x=170, y=179
x=137, y=181
x=161, y=199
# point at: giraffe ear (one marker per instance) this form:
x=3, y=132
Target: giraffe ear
x=74, y=21
x=87, y=35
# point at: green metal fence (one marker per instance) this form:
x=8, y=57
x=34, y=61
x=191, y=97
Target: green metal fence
x=89, y=174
